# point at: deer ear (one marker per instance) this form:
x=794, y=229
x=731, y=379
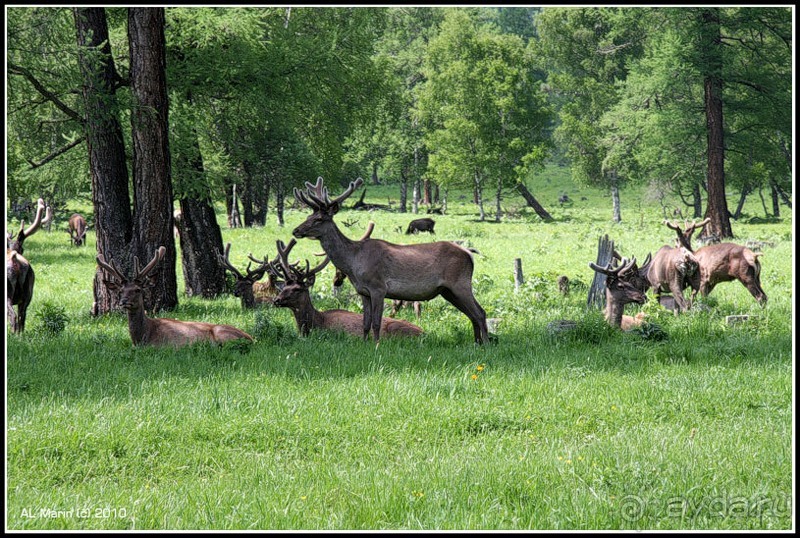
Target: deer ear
x=334, y=208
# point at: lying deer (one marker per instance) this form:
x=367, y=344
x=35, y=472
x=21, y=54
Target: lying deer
x=160, y=331
x=619, y=292
x=245, y=287
x=77, y=229
x=725, y=262
x=20, y=277
x=295, y=295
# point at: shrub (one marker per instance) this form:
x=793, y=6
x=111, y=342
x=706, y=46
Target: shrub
x=54, y=317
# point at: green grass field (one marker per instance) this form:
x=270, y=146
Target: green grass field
x=592, y=429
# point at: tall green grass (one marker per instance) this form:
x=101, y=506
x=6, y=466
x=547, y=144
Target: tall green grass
x=588, y=429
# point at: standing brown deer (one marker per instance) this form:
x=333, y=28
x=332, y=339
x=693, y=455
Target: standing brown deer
x=725, y=262
x=619, y=292
x=77, y=229
x=160, y=331
x=20, y=277
x=378, y=269
x=673, y=269
x=245, y=284
x=295, y=295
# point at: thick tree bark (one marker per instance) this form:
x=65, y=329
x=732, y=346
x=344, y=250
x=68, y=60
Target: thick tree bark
x=711, y=51
x=533, y=203
x=201, y=239
x=110, y=194
x=152, y=179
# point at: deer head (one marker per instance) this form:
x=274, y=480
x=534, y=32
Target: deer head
x=298, y=281
x=685, y=236
x=244, y=283
x=316, y=197
x=619, y=288
x=131, y=297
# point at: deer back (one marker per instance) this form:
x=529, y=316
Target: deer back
x=77, y=229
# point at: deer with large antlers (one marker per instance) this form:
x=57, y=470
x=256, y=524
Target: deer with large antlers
x=77, y=229
x=296, y=296
x=159, y=331
x=378, y=269
x=20, y=277
x=725, y=262
x=245, y=287
x=619, y=292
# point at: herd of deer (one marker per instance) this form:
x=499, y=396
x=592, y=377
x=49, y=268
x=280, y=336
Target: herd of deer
x=379, y=270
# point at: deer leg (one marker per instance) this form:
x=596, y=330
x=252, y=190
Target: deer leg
x=366, y=307
x=377, y=316
x=12, y=316
x=470, y=307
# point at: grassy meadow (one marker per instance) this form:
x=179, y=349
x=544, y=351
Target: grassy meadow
x=689, y=427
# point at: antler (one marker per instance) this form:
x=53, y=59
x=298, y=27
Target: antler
x=614, y=272
x=225, y=262
x=111, y=268
x=316, y=196
x=141, y=275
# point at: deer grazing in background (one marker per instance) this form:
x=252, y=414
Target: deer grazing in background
x=378, y=269
x=619, y=292
x=725, y=262
x=77, y=229
x=159, y=331
x=20, y=277
x=420, y=225
x=296, y=296
x=245, y=284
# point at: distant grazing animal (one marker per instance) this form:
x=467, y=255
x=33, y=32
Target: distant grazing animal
x=160, y=331
x=421, y=225
x=77, y=229
x=378, y=269
x=563, y=285
x=296, y=296
x=20, y=277
x=620, y=292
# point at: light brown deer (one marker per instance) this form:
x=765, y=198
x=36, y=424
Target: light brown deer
x=673, y=269
x=619, y=292
x=725, y=262
x=245, y=284
x=160, y=331
x=77, y=229
x=378, y=269
x=20, y=277
x=296, y=296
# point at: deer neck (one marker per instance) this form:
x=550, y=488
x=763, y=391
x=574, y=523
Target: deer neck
x=139, y=325
x=306, y=316
x=614, y=311
x=338, y=247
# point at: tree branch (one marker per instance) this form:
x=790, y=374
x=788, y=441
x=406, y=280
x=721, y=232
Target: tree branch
x=56, y=153
x=53, y=98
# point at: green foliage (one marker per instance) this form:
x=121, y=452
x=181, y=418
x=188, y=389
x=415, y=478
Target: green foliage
x=53, y=317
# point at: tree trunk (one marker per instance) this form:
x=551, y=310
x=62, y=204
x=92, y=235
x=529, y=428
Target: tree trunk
x=415, y=197
x=479, y=197
x=280, y=202
x=497, y=198
x=698, y=201
x=711, y=53
x=375, y=180
x=533, y=203
x=740, y=206
x=617, y=212
x=152, y=227
x=403, y=192
x=201, y=239
x=247, y=196
x=110, y=194
x=776, y=205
